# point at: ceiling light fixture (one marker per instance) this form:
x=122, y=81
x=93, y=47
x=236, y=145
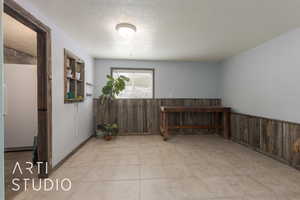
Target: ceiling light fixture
x=126, y=29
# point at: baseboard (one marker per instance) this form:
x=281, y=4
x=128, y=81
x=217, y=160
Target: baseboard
x=60, y=163
x=16, y=149
x=171, y=132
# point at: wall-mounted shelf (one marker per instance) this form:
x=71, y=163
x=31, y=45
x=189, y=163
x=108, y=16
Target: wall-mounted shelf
x=74, y=78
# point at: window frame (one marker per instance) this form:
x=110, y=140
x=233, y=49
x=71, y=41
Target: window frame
x=137, y=69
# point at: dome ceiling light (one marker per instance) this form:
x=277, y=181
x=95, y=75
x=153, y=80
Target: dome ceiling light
x=126, y=29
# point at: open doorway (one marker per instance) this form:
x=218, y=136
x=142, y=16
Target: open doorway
x=20, y=72
x=28, y=106
x=20, y=65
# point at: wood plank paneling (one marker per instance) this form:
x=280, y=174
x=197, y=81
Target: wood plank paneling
x=13, y=56
x=254, y=132
x=141, y=116
x=271, y=138
x=274, y=138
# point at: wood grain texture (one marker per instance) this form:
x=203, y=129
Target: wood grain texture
x=277, y=139
x=167, y=111
x=142, y=116
x=77, y=87
x=13, y=56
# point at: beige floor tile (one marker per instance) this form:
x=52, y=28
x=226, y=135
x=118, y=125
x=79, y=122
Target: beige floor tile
x=172, y=158
x=116, y=190
x=121, y=172
x=129, y=159
x=59, y=194
x=149, y=150
x=264, y=197
x=152, y=171
x=159, y=189
x=208, y=170
x=86, y=191
x=248, y=186
x=118, y=151
x=183, y=168
x=95, y=173
x=151, y=159
x=73, y=173
x=167, y=147
x=278, y=184
x=221, y=186
x=251, y=169
x=177, y=171
x=293, y=196
x=108, y=160
x=150, y=140
x=108, y=190
x=81, y=160
x=193, y=188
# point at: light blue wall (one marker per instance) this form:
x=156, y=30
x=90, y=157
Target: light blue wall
x=71, y=123
x=1, y=110
x=172, y=79
x=265, y=81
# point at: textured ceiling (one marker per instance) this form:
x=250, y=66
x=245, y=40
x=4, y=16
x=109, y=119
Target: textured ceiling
x=19, y=36
x=172, y=29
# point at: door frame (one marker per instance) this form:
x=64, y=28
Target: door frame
x=44, y=79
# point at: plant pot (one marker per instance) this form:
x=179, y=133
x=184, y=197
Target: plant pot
x=99, y=134
x=108, y=137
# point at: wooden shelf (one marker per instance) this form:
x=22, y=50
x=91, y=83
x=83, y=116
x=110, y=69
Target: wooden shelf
x=74, y=88
x=74, y=100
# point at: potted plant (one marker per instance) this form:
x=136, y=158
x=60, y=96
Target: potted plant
x=113, y=87
x=109, y=130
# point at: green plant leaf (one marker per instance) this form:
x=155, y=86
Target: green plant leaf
x=112, y=88
x=106, y=90
x=109, y=77
x=124, y=78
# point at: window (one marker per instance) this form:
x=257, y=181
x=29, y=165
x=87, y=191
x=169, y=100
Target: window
x=141, y=84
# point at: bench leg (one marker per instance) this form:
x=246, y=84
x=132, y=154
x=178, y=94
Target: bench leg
x=226, y=125
x=161, y=127
x=166, y=127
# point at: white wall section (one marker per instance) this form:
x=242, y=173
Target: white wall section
x=264, y=81
x=172, y=79
x=20, y=105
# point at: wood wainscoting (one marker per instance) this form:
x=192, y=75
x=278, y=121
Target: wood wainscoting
x=142, y=116
x=277, y=139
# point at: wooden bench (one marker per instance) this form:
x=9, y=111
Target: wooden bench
x=218, y=110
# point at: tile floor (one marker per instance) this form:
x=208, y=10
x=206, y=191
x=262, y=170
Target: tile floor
x=11, y=158
x=184, y=168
